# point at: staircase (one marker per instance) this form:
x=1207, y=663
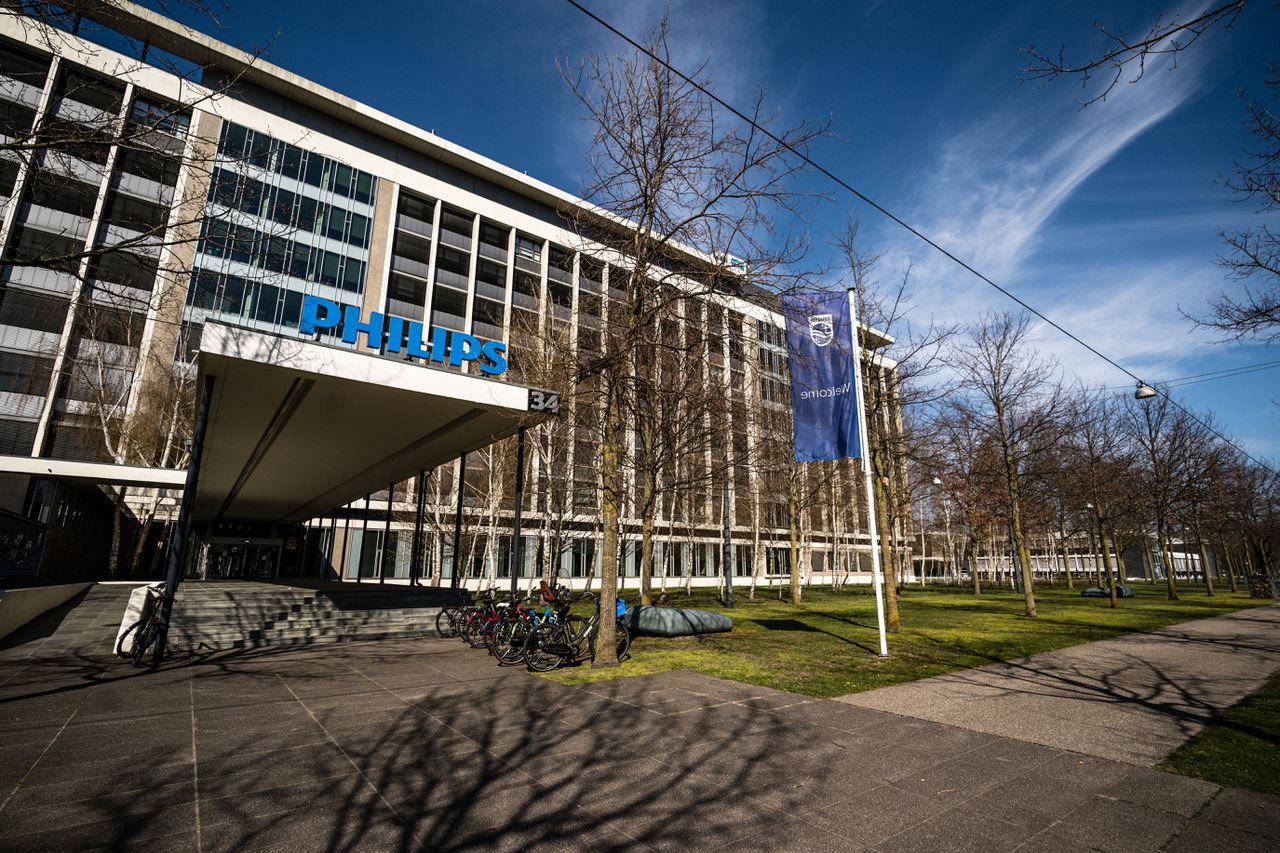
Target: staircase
x=235, y=615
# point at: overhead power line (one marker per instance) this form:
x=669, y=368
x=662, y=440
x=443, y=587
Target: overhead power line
x=1211, y=376
x=897, y=220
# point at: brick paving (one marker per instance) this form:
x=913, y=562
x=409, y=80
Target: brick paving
x=426, y=745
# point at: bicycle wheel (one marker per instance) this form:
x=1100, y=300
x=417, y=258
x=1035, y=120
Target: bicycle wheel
x=538, y=647
x=120, y=652
x=447, y=621
x=579, y=634
x=142, y=642
x=507, y=641
x=624, y=639
x=475, y=633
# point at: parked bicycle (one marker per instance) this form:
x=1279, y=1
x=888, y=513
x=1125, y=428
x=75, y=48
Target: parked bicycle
x=146, y=629
x=569, y=638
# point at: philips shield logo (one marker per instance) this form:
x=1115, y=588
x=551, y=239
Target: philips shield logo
x=821, y=329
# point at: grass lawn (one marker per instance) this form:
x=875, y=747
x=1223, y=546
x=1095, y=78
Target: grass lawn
x=826, y=647
x=1242, y=748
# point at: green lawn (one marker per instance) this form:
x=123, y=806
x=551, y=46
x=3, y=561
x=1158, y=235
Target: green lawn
x=1241, y=749
x=826, y=647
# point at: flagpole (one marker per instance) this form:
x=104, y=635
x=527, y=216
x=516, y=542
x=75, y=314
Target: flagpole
x=865, y=454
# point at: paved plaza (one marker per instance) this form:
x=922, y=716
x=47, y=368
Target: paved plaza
x=426, y=745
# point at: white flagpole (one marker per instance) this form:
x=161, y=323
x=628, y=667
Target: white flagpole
x=863, y=441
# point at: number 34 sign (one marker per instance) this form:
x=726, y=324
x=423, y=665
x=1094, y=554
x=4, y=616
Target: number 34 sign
x=544, y=401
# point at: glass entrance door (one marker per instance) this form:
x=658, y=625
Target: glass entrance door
x=243, y=562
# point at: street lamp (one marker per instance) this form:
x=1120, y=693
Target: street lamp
x=1144, y=391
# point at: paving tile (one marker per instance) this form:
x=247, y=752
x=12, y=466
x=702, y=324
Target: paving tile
x=1163, y=791
x=876, y=815
x=1112, y=826
x=954, y=780
x=1249, y=810
x=1201, y=835
x=117, y=831
x=954, y=831
x=785, y=834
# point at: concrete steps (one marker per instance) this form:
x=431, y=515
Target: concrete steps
x=233, y=616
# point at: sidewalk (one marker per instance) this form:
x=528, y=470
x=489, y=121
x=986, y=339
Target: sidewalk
x=425, y=744
x=1134, y=698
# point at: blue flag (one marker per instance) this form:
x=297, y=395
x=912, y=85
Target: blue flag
x=822, y=352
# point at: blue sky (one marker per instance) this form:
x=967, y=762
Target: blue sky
x=1105, y=218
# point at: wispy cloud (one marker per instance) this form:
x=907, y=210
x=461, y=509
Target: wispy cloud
x=991, y=195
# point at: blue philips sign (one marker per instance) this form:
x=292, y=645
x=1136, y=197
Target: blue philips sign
x=399, y=333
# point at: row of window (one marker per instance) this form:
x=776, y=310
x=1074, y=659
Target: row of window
x=221, y=239
x=238, y=297
x=290, y=209
x=265, y=152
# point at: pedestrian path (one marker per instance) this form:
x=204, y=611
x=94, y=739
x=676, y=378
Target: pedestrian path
x=1134, y=698
x=426, y=745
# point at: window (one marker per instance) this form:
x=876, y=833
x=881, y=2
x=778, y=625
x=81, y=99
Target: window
x=26, y=67
x=450, y=301
x=135, y=214
x=487, y=311
x=232, y=301
x=292, y=308
x=154, y=166
x=337, y=223
x=32, y=310
x=95, y=93
x=328, y=272
x=21, y=373
x=264, y=309
x=352, y=275
x=299, y=260
x=157, y=115
x=127, y=268
x=527, y=247
x=494, y=235
x=364, y=187
x=359, y=235
x=64, y=194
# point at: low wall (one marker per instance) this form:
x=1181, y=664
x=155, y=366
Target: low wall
x=20, y=606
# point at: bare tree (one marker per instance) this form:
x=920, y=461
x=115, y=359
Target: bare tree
x=1013, y=396
x=1253, y=256
x=676, y=176
x=1170, y=442
x=1129, y=55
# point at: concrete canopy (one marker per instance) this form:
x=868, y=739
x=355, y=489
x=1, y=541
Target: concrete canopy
x=296, y=428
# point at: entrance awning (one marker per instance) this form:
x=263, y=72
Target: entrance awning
x=296, y=428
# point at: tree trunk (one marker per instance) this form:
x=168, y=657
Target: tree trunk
x=893, y=620
x=1204, y=555
x=1019, y=539
x=793, y=503
x=1231, y=569
x=646, y=559
x=1111, y=577
x=1062, y=549
x=1165, y=554
x=612, y=491
x=974, y=572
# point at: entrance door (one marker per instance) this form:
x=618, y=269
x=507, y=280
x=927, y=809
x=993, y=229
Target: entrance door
x=243, y=562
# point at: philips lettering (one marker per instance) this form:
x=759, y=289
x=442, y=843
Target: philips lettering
x=399, y=333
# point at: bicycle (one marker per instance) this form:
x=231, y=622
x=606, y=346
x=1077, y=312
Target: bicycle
x=506, y=640
x=570, y=638
x=146, y=629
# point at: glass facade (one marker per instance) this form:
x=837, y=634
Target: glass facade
x=281, y=222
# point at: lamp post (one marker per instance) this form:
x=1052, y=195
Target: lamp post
x=937, y=481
